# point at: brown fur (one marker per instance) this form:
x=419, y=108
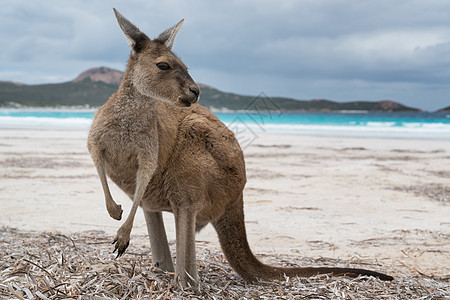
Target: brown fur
x=169, y=154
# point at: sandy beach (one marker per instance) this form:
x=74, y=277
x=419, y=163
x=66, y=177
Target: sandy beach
x=380, y=200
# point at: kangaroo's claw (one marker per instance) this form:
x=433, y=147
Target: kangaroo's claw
x=120, y=246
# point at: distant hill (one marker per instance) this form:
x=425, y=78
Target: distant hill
x=213, y=98
x=445, y=109
x=102, y=74
x=85, y=92
x=94, y=86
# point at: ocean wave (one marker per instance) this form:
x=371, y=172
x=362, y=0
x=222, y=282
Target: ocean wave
x=381, y=124
x=376, y=129
x=44, y=123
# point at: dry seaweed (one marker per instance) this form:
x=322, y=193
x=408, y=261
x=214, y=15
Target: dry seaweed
x=45, y=265
x=432, y=191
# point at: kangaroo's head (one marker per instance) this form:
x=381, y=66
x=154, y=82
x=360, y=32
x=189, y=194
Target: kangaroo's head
x=154, y=70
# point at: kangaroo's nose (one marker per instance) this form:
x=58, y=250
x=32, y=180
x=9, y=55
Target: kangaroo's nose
x=196, y=91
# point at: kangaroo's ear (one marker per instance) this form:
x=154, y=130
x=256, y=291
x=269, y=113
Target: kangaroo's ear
x=135, y=38
x=168, y=37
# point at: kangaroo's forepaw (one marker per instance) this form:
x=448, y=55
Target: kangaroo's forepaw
x=115, y=211
x=121, y=243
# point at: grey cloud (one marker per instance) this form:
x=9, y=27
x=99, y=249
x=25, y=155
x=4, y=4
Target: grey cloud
x=303, y=49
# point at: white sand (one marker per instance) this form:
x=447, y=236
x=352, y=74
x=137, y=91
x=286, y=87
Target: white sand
x=306, y=196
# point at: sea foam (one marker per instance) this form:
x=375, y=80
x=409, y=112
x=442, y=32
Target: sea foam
x=44, y=123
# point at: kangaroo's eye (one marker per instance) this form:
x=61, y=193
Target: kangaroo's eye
x=163, y=66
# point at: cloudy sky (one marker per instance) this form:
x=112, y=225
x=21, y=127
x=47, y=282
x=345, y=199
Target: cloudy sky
x=341, y=50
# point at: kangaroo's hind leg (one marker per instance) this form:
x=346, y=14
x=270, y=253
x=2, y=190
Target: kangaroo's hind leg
x=186, y=265
x=158, y=241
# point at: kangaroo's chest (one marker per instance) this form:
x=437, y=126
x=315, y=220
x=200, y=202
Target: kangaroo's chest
x=121, y=144
x=123, y=168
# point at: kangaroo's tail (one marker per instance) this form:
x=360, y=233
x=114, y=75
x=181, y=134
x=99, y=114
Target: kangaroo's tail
x=233, y=238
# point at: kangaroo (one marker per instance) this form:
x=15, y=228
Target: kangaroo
x=167, y=153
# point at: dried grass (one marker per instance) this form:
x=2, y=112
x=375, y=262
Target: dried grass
x=432, y=191
x=37, y=265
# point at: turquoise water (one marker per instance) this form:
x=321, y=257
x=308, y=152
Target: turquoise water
x=58, y=114
x=344, y=119
x=432, y=125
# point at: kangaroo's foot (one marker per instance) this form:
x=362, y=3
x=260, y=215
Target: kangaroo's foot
x=158, y=240
x=122, y=240
x=186, y=280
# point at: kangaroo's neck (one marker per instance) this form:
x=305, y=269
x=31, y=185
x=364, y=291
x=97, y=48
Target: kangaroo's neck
x=155, y=118
x=129, y=96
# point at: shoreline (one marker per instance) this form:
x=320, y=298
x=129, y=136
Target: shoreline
x=255, y=135
x=348, y=198
x=243, y=131
x=253, y=124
